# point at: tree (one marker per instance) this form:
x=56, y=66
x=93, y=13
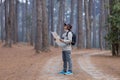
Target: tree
x=113, y=36
x=23, y=21
x=6, y=22
x=15, y=25
x=80, y=22
x=61, y=17
x=102, y=23
x=1, y=18
x=72, y=11
x=52, y=20
x=33, y=26
x=9, y=14
x=87, y=22
x=94, y=24
x=27, y=19
x=90, y=19
x=45, y=42
x=38, y=42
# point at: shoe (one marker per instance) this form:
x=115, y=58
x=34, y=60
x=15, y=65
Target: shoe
x=62, y=72
x=68, y=73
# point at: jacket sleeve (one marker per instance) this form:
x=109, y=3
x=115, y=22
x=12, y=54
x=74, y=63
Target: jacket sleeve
x=69, y=40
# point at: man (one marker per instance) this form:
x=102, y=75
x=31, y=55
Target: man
x=66, y=50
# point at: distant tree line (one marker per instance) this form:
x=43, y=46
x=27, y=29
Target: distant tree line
x=31, y=21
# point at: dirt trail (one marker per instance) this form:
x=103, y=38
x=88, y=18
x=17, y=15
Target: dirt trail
x=86, y=64
x=83, y=68
x=21, y=63
x=53, y=66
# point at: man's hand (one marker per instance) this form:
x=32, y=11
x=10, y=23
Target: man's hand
x=61, y=40
x=54, y=39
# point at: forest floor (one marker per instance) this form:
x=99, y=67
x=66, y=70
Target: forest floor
x=22, y=63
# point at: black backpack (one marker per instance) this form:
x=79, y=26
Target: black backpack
x=73, y=37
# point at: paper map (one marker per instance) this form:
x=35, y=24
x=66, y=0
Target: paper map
x=57, y=37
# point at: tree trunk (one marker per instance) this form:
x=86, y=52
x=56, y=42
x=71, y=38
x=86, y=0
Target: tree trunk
x=72, y=11
x=62, y=4
x=107, y=13
x=91, y=18
x=9, y=6
x=45, y=42
x=6, y=21
x=38, y=42
x=94, y=25
x=52, y=20
x=33, y=26
x=87, y=22
x=1, y=19
x=101, y=22
x=15, y=25
x=80, y=24
x=61, y=17
x=23, y=22
x=27, y=16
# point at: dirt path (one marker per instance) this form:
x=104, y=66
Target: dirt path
x=21, y=63
x=83, y=69
x=51, y=68
x=86, y=64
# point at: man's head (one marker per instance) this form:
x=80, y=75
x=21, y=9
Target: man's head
x=67, y=27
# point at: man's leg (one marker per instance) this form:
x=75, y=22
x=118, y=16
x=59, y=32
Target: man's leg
x=69, y=60
x=64, y=61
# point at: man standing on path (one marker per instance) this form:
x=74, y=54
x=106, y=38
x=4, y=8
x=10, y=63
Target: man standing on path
x=66, y=50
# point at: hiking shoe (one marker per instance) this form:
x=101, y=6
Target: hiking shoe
x=68, y=73
x=62, y=72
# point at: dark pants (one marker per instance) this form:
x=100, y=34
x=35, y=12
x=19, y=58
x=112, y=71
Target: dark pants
x=67, y=62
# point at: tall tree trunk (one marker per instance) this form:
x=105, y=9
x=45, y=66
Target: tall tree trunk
x=107, y=12
x=91, y=18
x=52, y=20
x=33, y=26
x=101, y=22
x=72, y=11
x=49, y=20
x=94, y=24
x=38, y=42
x=87, y=22
x=9, y=21
x=80, y=24
x=6, y=21
x=23, y=22
x=61, y=17
x=26, y=20
x=62, y=4
x=1, y=19
x=45, y=42
x=15, y=25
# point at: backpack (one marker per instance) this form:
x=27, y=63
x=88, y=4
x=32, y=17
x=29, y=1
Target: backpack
x=73, y=37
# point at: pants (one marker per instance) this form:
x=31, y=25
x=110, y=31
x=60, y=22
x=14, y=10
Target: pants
x=67, y=62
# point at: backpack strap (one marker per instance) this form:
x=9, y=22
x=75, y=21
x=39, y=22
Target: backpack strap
x=67, y=33
x=67, y=36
